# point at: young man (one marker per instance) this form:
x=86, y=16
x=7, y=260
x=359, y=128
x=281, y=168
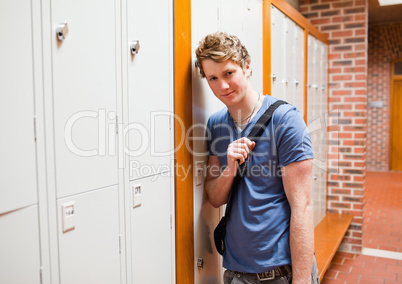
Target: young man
x=269, y=235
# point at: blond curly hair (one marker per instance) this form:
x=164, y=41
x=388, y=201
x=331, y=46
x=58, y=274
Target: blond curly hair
x=219, y=47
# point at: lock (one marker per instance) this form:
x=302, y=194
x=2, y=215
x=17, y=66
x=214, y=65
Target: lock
x=135, y=47
x=62, y=31
x=200, y=263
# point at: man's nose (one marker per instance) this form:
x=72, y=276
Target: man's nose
x=224, y=84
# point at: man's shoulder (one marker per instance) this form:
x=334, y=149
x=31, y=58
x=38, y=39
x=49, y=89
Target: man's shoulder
x=219, y=116
x=283, y=110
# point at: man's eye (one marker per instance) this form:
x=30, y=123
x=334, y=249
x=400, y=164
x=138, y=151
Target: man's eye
x=229, y=73
x=212, y=79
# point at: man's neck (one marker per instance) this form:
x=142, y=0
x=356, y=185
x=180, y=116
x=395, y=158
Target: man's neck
x=246, y=109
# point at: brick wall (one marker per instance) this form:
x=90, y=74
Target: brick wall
x=345, y=23
x=385, y=45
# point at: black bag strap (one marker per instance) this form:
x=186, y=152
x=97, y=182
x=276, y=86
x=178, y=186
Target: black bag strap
x=254, y=135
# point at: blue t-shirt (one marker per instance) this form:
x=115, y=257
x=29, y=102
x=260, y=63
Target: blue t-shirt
x=257, y=233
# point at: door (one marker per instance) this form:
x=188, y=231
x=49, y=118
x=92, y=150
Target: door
x=88, y=231
x=396, y=118
x=84, y=96
x=17, y=148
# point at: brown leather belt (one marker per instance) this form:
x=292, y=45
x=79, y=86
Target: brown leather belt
x=272, y=274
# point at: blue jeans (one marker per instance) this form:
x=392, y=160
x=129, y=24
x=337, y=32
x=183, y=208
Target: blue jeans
x=231, y=277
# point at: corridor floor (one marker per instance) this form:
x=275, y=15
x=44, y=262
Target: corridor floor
x=381, y=258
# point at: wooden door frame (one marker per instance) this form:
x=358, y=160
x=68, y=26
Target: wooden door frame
x=393, y=79
x=184, y=216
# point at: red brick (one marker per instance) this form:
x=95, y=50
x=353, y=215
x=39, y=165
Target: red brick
x=320, y=21
x=360, y=92
x=340, y=267
x=348, y=277
x=361, y=62
x=342, y=34
x=375, y=266
x=335, y=70
x=342, y=92
x=342, y=77
x=360, y=17
x=335, y=56
x=368, y=280
x=353, y=55
x=384, y=275
x=342, y=19
x=360, y=32
x=386, y=260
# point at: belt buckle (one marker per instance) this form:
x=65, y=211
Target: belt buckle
x=269, y=275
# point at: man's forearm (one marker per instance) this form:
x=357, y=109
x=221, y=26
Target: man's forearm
x=218, y=188
x=302, y=244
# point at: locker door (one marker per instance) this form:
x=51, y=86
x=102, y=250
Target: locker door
x=84, y=95
x=298, y=49
x=150, y=89
x=19, y=246
x=232, y=17
x=252, y=39
x=17, y=146
x=204, y=21
x=89, y=251
x=278, y=54
x=311, y=81
x=151, y=230
x=313, y=125
x=290, y=62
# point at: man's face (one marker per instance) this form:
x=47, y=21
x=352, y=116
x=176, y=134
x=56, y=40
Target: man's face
x=227, y=80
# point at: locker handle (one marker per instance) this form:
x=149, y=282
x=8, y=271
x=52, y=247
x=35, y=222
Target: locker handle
x=315, y=177
x=296, y=82
x=315, y=86
x=135, y=47
x=273, y=76
x=62, y=31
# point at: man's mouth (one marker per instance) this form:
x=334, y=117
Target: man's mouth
x=228, y=94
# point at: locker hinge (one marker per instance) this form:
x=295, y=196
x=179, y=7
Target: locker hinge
x=40, y=274
x=170, y=122
x=171, y=220
x=119, y=244
x=35, y=128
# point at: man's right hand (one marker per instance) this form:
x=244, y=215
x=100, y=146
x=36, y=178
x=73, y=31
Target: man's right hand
x=239, y=150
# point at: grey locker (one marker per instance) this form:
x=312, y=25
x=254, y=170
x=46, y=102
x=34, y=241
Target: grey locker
x=316, y=120
x=89, y=244
x=19, y=246
x=232, y=16
x=278, y=54
x=150, y=87
x=252, y=38
x=17, y=109
x=243, y=18
x=84, y=95
x=205, y=20
x=294, y=65
x=152, y=234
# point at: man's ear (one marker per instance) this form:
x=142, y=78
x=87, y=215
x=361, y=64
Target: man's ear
x=247, y=69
